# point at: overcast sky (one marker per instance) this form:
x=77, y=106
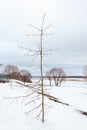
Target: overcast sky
x=69, y=32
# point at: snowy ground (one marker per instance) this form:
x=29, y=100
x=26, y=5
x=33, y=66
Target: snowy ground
x=58, y=116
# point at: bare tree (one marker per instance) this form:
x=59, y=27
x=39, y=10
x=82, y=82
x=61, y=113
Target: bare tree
x=25, y=76
x=11, y=71
x=85, y=72
x=48, y=75
x=1, y=65
x=40, y=52
x=58, y=75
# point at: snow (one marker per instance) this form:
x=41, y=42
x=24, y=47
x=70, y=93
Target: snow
x=58, y=116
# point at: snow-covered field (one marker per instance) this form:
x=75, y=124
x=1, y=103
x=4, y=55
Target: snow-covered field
x=58, y=116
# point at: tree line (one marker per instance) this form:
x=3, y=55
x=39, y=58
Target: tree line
x=13, y=72
x=57, y=75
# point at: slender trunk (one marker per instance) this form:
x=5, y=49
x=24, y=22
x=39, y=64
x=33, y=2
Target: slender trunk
x=41, y=70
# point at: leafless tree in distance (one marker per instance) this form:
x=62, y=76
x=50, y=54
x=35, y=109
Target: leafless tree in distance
x=85, y=72
x=1, y=65
x=58, y=75
x=25, y=76
x=48, y=75
x=11, y=70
